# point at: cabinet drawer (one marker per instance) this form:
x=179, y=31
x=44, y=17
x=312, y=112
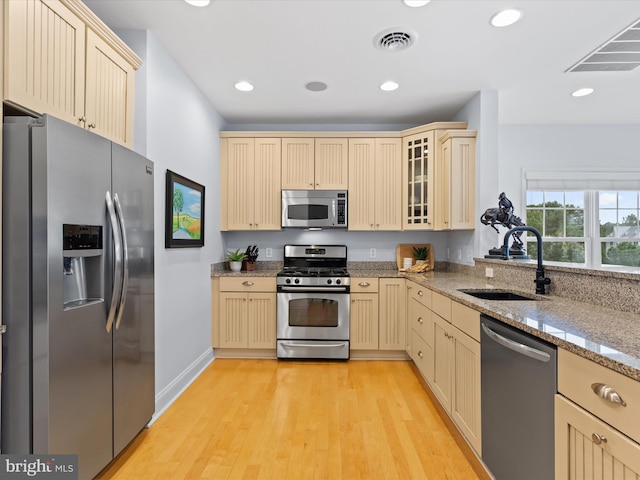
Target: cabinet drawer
x=422, y=356
x=364, y=285
x=466, y=319
x=576, y=375
x=441, y=305
x=247, y=284
x=420, y=294
x=420, y=321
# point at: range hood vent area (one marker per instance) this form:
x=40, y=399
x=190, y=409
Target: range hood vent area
x=619, y=54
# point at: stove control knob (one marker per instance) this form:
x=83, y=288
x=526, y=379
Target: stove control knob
x=329, y=281
x=288, y=280
x=338, y=282
x=297, y=280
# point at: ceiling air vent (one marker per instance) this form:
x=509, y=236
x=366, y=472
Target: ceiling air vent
x=620, y=54
x=394, y=40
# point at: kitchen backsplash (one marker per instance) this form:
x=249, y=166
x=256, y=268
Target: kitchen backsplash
x=615, y=290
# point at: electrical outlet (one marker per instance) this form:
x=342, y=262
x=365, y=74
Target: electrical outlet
x=372, y=253
x=448, y=254
x=459, y=254
x=488, y=272
x=269, y=252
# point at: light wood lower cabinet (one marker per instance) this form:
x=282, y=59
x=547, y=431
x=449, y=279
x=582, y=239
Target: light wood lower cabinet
x=587, y=448
x=456, y=365
x=363, y=317
x=246, y=313
x=393, y=314
x=597, y=434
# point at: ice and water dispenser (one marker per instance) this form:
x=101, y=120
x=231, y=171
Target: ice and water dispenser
x=83, y=265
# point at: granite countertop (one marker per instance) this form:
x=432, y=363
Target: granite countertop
x=608, y=337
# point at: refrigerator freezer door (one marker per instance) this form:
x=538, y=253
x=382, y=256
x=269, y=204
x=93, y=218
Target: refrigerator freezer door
x=72, y=352
x=133, y=339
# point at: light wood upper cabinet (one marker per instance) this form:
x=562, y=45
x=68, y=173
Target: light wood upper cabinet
x=331, y=164
x=110, y=85
x=62, y=60
x=251, y=190
x=375, y=184
x=418, y=181
x=439, y=179
x=455, y=186
x=319, y=163
x=45, y=58
x=298, y=163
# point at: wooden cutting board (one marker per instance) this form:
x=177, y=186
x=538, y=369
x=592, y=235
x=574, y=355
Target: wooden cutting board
x=406, y=250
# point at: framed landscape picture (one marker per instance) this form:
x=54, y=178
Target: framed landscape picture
x=184, y=221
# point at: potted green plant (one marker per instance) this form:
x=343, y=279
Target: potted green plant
x=235, y=260
x=420, y=254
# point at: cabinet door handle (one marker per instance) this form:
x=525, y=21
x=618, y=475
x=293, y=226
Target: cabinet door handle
x=420, y=354
x=82, y=119
x=364, y=284
x=608, y=393
x=598, y=439
x=420, y=292
x=420, y=320
x=247, y=283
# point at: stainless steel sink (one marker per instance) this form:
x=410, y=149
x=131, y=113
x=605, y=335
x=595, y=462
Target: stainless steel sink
x=496, y=294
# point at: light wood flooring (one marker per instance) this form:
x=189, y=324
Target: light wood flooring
x=275, y=420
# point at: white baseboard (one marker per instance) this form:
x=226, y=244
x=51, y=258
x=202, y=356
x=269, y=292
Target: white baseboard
x=171, y=392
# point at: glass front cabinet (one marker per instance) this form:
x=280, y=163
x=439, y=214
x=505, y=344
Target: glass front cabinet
x=419, y=150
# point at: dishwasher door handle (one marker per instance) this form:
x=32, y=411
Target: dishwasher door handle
x=516, y=347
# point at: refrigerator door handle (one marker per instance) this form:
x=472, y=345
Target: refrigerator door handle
x=125, y=260
x=117, y=274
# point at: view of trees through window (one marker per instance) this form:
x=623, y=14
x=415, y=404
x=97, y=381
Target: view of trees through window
x=559, y=215
x=563, y=219
x=619, y=235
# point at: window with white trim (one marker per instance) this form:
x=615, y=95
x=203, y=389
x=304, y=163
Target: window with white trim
x=589, y=219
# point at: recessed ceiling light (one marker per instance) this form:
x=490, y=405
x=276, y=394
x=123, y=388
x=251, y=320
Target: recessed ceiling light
x=389, y=86
x=316, y=86
x=506, y=17
x=582, y=92
x=198, y=3
x=244, y=86
x=415, y=3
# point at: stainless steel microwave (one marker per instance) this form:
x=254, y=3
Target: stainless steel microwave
x=314, y=208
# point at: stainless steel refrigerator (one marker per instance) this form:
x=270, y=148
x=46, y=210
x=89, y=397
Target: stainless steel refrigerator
x=78, y=293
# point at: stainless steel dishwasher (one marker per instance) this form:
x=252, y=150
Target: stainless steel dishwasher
x=517, y=387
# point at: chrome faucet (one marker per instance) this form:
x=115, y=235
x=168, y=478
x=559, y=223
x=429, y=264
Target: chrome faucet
x=540, y=280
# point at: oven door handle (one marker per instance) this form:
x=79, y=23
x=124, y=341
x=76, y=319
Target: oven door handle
x=313, y=289
x=314, y=345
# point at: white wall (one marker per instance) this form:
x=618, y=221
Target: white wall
x=481, y=114
x=177, y=129
x=540, y=147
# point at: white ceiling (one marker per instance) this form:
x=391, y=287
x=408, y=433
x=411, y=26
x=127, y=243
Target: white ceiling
x=280, y=45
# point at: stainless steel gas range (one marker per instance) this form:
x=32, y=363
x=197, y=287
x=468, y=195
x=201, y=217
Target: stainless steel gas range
x=313, y=302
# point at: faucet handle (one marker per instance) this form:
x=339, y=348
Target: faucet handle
x=540, y=282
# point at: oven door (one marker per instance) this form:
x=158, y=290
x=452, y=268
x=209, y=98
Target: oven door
x=312, y=316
